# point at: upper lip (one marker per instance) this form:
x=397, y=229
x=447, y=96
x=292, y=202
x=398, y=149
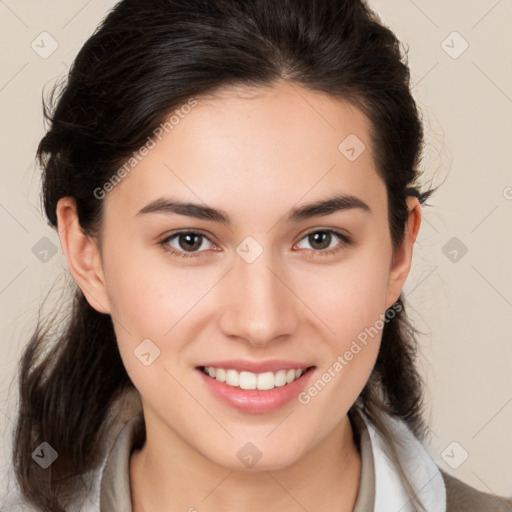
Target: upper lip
x=243, y=365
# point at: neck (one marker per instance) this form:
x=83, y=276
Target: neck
x=170, y=475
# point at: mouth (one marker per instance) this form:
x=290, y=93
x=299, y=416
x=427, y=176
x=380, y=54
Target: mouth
x=254, y=381
x=252, y=392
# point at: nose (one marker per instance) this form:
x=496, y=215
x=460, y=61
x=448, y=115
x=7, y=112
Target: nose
x=259, y=305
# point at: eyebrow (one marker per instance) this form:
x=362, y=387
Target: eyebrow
x=339, y=202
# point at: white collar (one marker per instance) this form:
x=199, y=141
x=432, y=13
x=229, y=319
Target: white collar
x=424, y=475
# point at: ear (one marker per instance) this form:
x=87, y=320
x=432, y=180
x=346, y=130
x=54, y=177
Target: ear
x=82, y=254
x=402, y=258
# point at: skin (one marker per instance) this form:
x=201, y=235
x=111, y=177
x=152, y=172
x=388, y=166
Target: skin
x=255, y=154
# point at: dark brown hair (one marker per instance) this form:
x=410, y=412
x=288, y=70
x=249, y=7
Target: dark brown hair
x=144, y=60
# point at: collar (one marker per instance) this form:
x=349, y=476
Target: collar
x=422, y=472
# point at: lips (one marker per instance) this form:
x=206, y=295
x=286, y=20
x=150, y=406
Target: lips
x=255, y=387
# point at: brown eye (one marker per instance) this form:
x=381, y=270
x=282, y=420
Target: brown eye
x=185, y=243
x=323, y=241
x=189, y=241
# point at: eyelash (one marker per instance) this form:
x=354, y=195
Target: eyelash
x=324, y=252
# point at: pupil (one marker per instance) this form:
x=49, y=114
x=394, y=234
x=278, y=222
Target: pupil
x=190, y=244
x=317, y=239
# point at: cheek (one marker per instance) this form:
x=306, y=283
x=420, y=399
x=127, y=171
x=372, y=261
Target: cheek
x=354, y=314
x=148, y=295
x=151, y=299
x=348, y=296
x=350, y=300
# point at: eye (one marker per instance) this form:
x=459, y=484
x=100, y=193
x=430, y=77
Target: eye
x=188, y=243
x=321, y=241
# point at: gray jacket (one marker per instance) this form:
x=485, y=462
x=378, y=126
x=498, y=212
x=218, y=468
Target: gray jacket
x=460, y=497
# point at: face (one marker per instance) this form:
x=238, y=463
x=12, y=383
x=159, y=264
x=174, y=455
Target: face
x=260, y=290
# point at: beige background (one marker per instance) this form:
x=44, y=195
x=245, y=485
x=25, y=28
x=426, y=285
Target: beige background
x=464, y=307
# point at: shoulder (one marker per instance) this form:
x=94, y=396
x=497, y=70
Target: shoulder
x=461, y=497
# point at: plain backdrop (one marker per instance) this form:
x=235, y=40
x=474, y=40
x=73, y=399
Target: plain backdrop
x=459, y=293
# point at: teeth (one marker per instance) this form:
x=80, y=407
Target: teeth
x=266, y=380
x=280, y=378
x=249, y=380
x=232, y=378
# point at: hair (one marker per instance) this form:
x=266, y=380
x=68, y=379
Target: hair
x=144, y=60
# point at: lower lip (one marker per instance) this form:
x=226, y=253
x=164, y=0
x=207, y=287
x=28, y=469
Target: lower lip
x=254, y=400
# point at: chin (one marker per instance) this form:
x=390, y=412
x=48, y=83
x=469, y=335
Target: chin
x=248, y=457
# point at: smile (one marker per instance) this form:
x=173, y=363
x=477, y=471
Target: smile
x=255, y=386
x=249, y=380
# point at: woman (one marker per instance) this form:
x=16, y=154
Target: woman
x=235, y=192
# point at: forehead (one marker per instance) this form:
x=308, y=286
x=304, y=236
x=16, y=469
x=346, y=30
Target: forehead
x=246, y=147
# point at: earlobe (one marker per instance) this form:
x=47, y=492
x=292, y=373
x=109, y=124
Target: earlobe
x=402, y=258
x=82, y=255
